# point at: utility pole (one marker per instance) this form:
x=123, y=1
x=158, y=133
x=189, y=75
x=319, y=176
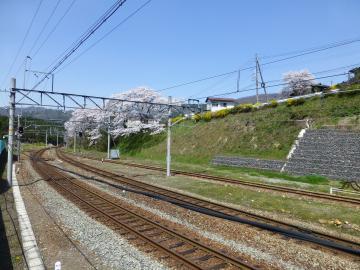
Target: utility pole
x=18, y=138
x=52, y=82
x=262, y=79
x=27, y=57
x=57, y=138
x=168, y=149
x=257, y=79
x=11, y=131
x=108, y=132
x=46, y=138
x=75, y=141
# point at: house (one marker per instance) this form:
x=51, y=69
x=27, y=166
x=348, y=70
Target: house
x=215, y=104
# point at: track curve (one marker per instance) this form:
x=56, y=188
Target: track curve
x=216, y=209
x=188, y=253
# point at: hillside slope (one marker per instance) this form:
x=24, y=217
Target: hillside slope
x=39, y=113
x=266, y=133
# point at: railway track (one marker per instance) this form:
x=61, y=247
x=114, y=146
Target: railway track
x=318, y=239
x=311, y=194
x=180, y=250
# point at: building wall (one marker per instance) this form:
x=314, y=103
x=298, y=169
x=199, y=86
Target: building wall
x=216, y=106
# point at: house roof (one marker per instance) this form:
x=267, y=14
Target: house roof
x=211, y=99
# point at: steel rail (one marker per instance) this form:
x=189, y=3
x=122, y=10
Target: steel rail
x=302, y=192
x=219, y=210
x=98, y=201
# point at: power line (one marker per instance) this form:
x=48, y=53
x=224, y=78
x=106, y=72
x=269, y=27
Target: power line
x=85, y=37
x=44, y=26
x=270, y=86
x=54, y=28
x=23, y=42
x=81, y=37
x=311, y=52
x=264, y=64
x=200, y=80
x=213, y=85
x=104, y=36
x=309, y=49
x=323, y=71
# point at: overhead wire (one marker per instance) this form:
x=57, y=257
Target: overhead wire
x=263, y=64
x=22, y=42
x=85, y=37
x=54, y=28
x=278, y=80
x=323, y=71
x=308, y=49
x=44, y=26
x=78, y=39
x=225, y=78
x=104, y=36
x=270, y=86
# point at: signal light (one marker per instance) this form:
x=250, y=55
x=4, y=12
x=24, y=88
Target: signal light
x=80, y=134
x=21, y=130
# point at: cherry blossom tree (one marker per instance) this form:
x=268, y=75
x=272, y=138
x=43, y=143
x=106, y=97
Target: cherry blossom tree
x=297, y=83
x=125, y=117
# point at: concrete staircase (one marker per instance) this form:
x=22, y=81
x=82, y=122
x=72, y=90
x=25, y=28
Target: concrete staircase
x=328, y=152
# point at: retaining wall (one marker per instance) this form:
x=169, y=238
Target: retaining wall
x=265, y=164
x=327, y=152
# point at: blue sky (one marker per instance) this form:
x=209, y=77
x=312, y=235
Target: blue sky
x=174, y=41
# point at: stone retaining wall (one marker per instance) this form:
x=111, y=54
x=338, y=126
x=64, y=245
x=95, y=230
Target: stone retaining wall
x=274, y=165
x=327, y=152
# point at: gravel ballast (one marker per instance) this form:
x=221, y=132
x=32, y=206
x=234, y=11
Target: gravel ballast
x=111, y=250
x=264, y=247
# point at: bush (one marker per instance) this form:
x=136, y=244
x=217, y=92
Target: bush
x=206, y=116
x=273, y=103
x=257, y=104
x=197, y=118
x=242, y=108
x=179, y=118
x=295, y=102
x=220, y=113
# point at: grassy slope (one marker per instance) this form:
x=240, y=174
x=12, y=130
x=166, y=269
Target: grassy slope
x=266, y=133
